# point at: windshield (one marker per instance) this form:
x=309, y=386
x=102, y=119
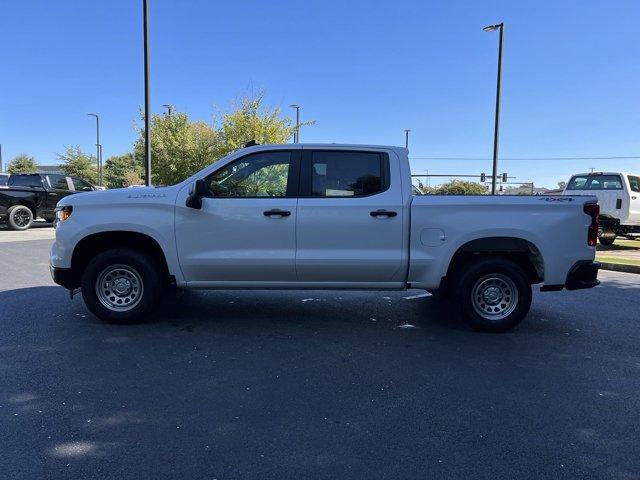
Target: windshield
x=595, y=182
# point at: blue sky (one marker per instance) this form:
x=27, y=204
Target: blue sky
x=364, y=70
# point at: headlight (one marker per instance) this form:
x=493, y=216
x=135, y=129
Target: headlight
x=63, y=213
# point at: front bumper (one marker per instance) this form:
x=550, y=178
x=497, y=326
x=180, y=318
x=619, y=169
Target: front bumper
x=64, y=277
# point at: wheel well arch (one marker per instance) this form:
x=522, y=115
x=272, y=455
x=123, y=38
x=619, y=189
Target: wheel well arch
x=96, y=243
x=518, y=250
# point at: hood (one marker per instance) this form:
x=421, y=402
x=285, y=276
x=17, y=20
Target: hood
x=122, y=195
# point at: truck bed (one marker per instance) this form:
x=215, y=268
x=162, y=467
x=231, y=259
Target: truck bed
x=440, y=228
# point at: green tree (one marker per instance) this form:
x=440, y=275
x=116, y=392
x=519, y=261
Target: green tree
x=123, y=170
x=460, y=187
x=180, y=147
x=76, y=162
x=251, y=120
x=22, y=163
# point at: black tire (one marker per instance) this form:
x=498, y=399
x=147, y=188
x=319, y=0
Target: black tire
x=607, y=238
x=19, y=217
x=129, y=266
x=491, y=280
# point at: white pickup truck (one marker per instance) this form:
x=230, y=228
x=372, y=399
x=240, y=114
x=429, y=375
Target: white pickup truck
x=321, y=217
x=618, y=195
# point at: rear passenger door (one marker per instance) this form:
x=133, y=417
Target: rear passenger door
x=349, y=225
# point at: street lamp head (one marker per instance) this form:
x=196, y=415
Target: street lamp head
x=294, y=106
x=491, y=28
x=93, y=115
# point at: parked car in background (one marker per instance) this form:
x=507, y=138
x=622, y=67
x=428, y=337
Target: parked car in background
x=618, y=195
x=321, y=217
x=28, y=196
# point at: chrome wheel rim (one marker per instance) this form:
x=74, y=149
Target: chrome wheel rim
x=22, y=217
x=494, y=296
x=119, y=288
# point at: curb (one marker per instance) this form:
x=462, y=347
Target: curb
x=619, y=267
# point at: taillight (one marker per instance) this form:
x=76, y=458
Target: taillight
x=593, y=210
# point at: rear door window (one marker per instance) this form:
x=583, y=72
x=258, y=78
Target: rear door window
x=25, y=181
x=595, y=182
x=347, y=174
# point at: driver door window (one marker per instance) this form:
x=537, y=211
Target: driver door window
x=80, y=185
x=259, y=175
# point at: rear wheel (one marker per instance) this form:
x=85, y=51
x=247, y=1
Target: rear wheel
x=607, y=238
x=19, y=217
x=122, y=286
x=494, y=294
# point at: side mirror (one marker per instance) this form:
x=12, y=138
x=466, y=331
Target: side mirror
x=197, y=191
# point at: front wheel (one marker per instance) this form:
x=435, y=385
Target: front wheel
x=494, y=294
x=122, y=286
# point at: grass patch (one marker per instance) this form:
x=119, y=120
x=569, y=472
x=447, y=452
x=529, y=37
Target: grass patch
x=618, y=260
x=627, y=243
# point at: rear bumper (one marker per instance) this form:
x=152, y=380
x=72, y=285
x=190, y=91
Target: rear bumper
x=63, y=277
x=583, y=274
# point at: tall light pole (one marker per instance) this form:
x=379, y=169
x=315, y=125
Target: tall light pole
x=296, y=133
x=406, y=137
x=169, y=108
x=98, y=147
x=147, y=99
x=496, y=128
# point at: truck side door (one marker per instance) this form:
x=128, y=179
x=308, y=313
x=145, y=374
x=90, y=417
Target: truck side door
x=634, y=201
x=350, y=218
x=245, y=230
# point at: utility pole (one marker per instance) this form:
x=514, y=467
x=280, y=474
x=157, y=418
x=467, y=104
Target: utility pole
x=169, y=108
x=147, y=99
x=296, y=133
x=0, y=158
x=98, y=147
x=406, y=138
x=491, y=28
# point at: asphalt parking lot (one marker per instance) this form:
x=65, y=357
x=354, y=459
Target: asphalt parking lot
x=278, y=385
